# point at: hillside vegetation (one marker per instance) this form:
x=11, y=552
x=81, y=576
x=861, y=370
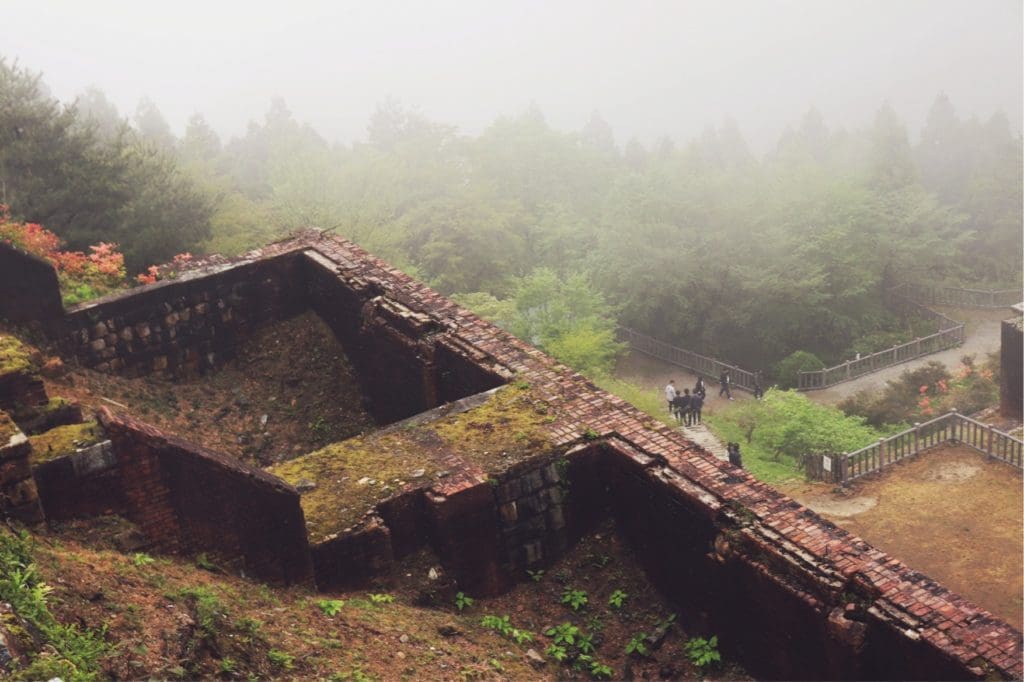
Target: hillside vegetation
x=556, y=235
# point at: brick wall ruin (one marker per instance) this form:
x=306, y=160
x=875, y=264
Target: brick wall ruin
x=187, y=498
x=31, y=291
x=183, y=326
x=793, y=595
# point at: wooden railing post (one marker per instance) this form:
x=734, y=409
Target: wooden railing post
x=917, y=429
x=991, y=436
x=953, y=422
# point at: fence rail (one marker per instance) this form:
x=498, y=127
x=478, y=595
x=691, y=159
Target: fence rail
x=695, y=362
x=950, y=427
x=949, y=334
x=932, y=294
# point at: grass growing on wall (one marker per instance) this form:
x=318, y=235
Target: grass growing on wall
x=643, y=399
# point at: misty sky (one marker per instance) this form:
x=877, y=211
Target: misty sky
x=650, y=68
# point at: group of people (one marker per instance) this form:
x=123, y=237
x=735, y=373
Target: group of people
x=686, y=407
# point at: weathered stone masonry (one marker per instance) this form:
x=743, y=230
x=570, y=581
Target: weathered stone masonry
x=791, y=594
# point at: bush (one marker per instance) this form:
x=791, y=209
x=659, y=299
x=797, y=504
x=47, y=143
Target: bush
x=787, y=370
x=778, y=431
x=81, y=276
x=927, y=392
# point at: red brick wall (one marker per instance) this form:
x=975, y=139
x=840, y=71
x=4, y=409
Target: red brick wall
x=187, y=498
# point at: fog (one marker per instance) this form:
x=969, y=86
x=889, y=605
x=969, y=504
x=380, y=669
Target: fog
x=649, y=68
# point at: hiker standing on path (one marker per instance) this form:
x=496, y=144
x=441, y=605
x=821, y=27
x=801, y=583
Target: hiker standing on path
x=724, y=380
x=682, y=407
x=734, y=455
x=758, y=392
x=670, y=393
x=696, y=405
x=700, y=389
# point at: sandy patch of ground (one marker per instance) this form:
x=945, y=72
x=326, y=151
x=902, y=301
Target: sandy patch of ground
x=950, y=513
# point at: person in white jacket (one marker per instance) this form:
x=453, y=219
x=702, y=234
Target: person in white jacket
x=670, y=393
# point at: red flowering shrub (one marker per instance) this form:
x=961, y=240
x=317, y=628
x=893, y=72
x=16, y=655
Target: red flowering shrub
x=166, y=271
x=81, y=276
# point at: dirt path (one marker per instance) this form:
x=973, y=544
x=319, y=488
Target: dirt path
x=981, y=336
x=951, y=513
x=653, y=374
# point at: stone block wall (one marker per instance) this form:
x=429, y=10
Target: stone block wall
x=182, y=327
x=19, y=498
x=1011, y=369
x=187, y=498
x=29, y=285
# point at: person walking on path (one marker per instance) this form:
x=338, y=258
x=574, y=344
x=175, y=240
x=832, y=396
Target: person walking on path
x=696, y=405
x=700, y=389
x=758, y=392
x=724, y=380
x=670, y=393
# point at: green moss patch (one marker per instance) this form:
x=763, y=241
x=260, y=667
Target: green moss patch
x=14, y=356
x=64, y=440
x=352, y=476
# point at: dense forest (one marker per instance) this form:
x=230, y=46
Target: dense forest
x=558, y=236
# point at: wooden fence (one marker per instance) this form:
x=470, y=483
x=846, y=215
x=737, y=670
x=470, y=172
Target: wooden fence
x=949, y=334
x=951, y=427
x=932, y=294
x=696, y=363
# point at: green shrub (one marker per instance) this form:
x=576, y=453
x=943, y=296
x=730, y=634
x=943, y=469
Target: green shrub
x=702, y=652
x=777, y=432
x=787, y=370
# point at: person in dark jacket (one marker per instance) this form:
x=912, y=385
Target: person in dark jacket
x=734, y=454
x=696, y=405
x=725, y=381
x=700, y=389
x=681, y=405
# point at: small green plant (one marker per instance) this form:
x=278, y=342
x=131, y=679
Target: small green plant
x=463, y=601
x=600, y=560
x=228, y=665
x=600, y=671
x=330, y=607
x=521, y=384
x=563, y=634
x=702, y=652
x=496, y=664
x=281, y=659
x=381, y=598
x=210, y=612
x=637, y=645
x=249, y=627
x=591, y=434
x=142, y=559
x=503, y=626
x=557, y=652
x=203, y=562
x=535, y=576
x=574, y=599
x=617, y=599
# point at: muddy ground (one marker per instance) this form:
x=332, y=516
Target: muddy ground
x=951, y=513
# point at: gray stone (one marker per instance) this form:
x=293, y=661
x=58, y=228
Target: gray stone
x=305, y=485
x=535, y=659
x=448, y=630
